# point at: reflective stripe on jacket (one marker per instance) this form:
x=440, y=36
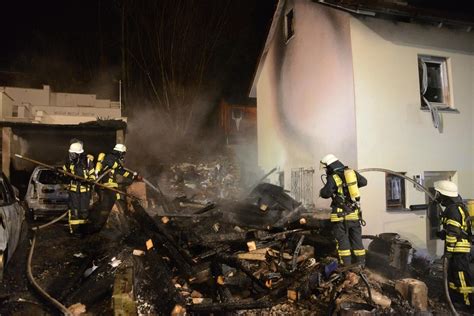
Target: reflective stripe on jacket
x=111, y=162
x=456, y=224
x=82, y=169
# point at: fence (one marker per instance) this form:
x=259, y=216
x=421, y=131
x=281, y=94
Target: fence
x=302, y=185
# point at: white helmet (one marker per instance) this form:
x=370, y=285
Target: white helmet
x=446, y=188
x=121, y=148
x=327, y=160
x=76, y=148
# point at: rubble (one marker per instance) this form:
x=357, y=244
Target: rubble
x=244, y=257
x=263, y=254
x=77, y=309
x=415, y=291
x=216, y=178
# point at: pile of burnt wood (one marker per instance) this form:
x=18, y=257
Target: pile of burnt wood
x=256, y=253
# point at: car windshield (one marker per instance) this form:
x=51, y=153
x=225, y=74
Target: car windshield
x=49, y=177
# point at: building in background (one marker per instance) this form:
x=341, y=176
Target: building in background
x=40, y=123
x=389, y=87
x=238, y=121
x=47, y=107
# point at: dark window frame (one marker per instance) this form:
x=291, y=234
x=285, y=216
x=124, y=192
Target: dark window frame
x=446, y=102
x=389, y=203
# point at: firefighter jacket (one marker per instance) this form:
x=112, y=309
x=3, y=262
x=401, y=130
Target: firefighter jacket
x=111, y=164
x=82, y=167
x=343, y=208
x=456, y=224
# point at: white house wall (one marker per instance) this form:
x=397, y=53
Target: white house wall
x=305, y=97
x=392, y=131
x=6, y=104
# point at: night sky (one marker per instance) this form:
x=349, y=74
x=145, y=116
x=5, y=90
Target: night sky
x=75, y=46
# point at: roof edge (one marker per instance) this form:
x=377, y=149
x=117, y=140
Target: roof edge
x=261, y=60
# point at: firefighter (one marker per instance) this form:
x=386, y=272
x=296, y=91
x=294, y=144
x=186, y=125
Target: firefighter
x=79, y=191
x=342, y=186
x=456, y=233
x=108, y=166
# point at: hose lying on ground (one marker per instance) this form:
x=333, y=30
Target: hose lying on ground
x=43, y=293
x=57, y=219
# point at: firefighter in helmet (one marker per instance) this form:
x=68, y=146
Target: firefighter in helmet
x=108, y=167
x=457, y=236
x=342, y=186
x=79, y=191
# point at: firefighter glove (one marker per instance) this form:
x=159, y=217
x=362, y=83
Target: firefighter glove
x=441, y=234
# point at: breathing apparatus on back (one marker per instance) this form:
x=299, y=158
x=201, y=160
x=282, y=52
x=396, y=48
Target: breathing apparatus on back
x=350, y=185
x=350, y=178
x=348, y=195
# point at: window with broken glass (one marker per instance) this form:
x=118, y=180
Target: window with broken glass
x=434, y=83
x=395, y=192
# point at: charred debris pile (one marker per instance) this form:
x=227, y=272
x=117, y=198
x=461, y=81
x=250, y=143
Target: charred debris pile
x=260, y=253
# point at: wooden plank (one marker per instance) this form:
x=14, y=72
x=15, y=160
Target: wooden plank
x=257, y=255
x=123, y=302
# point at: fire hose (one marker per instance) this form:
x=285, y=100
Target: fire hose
x=445, y=260
x=63, y=309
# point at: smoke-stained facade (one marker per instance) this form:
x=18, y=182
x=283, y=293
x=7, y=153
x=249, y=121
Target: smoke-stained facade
x=305, y=96
x=350, y=86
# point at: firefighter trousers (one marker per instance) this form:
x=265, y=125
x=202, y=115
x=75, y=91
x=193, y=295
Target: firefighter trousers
x=78, y=209
x=460, y=279
x=348, y=236
x=106, y=202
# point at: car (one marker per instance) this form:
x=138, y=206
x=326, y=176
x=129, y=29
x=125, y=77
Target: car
x=46, y=194
x=12, y=217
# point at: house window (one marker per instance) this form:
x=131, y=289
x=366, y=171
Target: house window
x=15, y=111
x=434, y=82
x=395, y=192
x=289, y=25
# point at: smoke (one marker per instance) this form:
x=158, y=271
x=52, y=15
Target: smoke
x=154, y=138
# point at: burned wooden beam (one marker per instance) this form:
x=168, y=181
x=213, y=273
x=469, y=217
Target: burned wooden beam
x=228, y=306
x=223, y=293
x=159, y=234
x=235, y=263
x=210, y=253
x=153, y=278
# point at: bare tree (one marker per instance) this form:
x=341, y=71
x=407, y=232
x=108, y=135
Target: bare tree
x=171, y=43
